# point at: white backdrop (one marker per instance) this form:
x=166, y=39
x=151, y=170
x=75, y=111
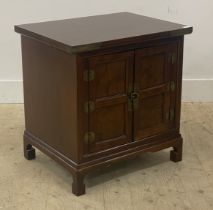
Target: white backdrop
x=198, y=54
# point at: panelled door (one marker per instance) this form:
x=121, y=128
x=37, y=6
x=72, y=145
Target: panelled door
x=131, y=96
x=109, y=121
x=152, y=85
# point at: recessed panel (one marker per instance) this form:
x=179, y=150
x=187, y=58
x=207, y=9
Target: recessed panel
x=151, y=70
x=108, y=122
x=150, y=112
x=150, y=118
x=110, y=79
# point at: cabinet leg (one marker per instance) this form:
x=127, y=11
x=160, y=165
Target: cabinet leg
x=176, y=153
x=78, y=186
x=29, y=151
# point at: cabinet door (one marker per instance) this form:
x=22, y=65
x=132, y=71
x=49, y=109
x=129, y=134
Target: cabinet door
x=153, y=114
x=109, y=121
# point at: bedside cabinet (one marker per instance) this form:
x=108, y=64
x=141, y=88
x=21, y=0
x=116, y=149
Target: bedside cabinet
x=101, y=89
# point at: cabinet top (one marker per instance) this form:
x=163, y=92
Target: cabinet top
x=102, y=31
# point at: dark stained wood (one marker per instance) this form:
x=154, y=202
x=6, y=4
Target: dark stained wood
x=176, y=153
x=49, y=92
x=111, y=120
x=152, y=78
x=102, y=31
x=127, y=68
x=78, y=186
x=29, y=151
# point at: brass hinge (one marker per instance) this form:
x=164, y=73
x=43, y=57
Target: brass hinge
x=172, y=86
x=89, y=106
x=172, y=58
x=170, y=115
x=89, y=137
x=89, y=75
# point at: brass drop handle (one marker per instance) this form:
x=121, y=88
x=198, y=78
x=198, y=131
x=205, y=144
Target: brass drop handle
x=133, y=102
x=133, y=95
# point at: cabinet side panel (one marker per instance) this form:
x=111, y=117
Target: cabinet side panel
x=50, y=96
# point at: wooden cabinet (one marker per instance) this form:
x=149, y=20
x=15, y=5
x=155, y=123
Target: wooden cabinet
x=101, y=89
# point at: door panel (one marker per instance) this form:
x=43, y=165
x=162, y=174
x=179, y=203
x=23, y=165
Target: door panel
x=151, y=117
x=152, y=83
x=110, y=121
x=152, y=71
x=110, y=79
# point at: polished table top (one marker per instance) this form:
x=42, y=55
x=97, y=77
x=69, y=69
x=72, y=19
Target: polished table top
x=94, y=32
